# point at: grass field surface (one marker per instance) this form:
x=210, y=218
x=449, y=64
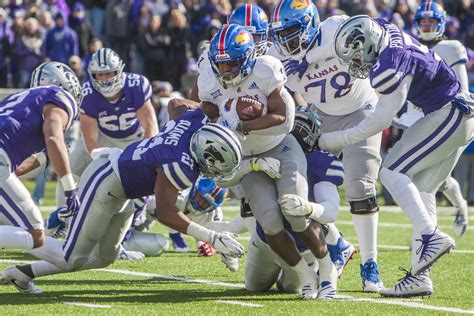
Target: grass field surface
x=185, y=284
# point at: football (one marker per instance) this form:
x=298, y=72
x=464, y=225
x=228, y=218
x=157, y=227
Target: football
x=247, y=107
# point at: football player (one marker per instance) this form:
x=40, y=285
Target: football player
x=401, y=69
x=235, y=72
x=304, y=45
x=32, y=122
x=116, y=110
x=162, y=165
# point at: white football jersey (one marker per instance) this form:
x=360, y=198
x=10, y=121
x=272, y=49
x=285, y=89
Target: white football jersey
x=203, y=62
x=266, y=76
x=327, y=84
x=453, y=53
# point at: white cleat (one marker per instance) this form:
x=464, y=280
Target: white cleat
x=12, y=275
x=433, y=246
x=327, y=291
x=460, y=220
x=410, y=286
x=309, y=291
x=232, y=264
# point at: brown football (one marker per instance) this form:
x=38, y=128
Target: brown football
x=248, y=108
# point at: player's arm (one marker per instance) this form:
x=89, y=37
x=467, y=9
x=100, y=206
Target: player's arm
x=236, y=225
x=90, y=132
x=277, y=121
x=461, y=74
x=195, y=92
x=147, y=118
x=177, y=107
x=386, y=109
x=31, y=163
x=270, y=166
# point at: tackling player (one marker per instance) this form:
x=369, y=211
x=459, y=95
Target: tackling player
x=32, y=122
x=401, y=69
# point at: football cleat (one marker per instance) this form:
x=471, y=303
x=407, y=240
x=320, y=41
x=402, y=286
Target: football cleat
x=232, y=264
x=309, y=291
x=206, y=250
x=12, y=275
x=178, y=242
x=341, y=253
x=369, y=271
x=460, y=220
x=410, y=285
x=129, y=255
x=433, y=246
x=327, y=291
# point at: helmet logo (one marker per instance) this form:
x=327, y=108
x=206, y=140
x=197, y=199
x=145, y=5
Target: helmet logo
x=299, y=4
x=213, y=156
x=222, y=56
x=243, y=38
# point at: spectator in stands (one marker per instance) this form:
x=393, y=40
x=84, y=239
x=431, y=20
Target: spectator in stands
x=180, y=50
x=46, y=22
x=28, y=51
x=117, y=28
x=56, y=7
x=155, y=46
x=452, y=28
x=61, y=41
x=94, y=45
x=402, y=8
x=6, y=37
x=82, y=27
x=96, y=14
x=75, y=63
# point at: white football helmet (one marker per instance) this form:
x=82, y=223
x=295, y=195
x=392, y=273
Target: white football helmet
x=106, y=60
x=357, y=42
x=307, y=128
x=217, y=151
x=57, y=74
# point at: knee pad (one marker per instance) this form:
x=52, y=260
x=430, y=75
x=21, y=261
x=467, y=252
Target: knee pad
x=151, y=244
x=359, y=189
x=367, y=206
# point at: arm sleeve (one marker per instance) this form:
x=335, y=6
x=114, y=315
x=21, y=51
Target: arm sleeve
x=287, y=126
x=386, y=109
x=327, y=208
x=461, y=75
x=236, y=225
x=245, y=168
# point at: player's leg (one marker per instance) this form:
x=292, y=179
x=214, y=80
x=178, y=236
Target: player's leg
x=288, y=281
x=293, y=181
x=430, y=142
x=262, y=197
x=261, y=270
x=340, y=250
x=452, y=191
x=21, y=222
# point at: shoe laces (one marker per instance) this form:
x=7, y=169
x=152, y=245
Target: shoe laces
x=459, y=218
x=406, y=280
x=429, y=245
x=369, y=271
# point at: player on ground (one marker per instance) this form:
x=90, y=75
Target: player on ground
x=401, y=69
x=116, y=110
x=32, y=122
x=164, y=165
x=304, y=45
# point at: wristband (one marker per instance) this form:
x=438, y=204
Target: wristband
x=68, y=182
x=40, y=157
x=254, y=164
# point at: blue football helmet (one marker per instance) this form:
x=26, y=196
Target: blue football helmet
x=294, y=26
x=430, y=31
x=205, y=196
x=255, y=21
x=232, y=45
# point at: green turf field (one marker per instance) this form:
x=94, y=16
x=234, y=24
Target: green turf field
x=187, y=284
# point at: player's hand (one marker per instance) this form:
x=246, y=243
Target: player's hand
x=225, y=243
x=72, y=203
x=270, y=166
x=333, y=142
x=232, y=264
x=130, y=255
x=294, y=205
x=296, y=66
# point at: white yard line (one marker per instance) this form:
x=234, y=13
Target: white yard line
x=240, y=285
x=239, y=303
x=87, y=305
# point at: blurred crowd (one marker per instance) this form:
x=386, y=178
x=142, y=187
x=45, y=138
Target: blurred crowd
x=162, y=39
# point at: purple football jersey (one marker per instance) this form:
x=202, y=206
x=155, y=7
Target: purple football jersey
x=322, y=166
x=118, y=119
x=169, y=150
x=21, y=120
x=434, y=83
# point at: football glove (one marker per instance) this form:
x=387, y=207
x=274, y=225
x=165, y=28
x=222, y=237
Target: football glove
x=130, y=255
x=294, y=205
x=225, y=243
x=72, y=203
x=232, y=264
x=270, y=166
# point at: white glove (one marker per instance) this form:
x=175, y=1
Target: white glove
x=270, y=166
x=230, y=118
x=130, y=255
x=232, y=264
x=294, y=205
x=225, y=243
x=333, y=142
